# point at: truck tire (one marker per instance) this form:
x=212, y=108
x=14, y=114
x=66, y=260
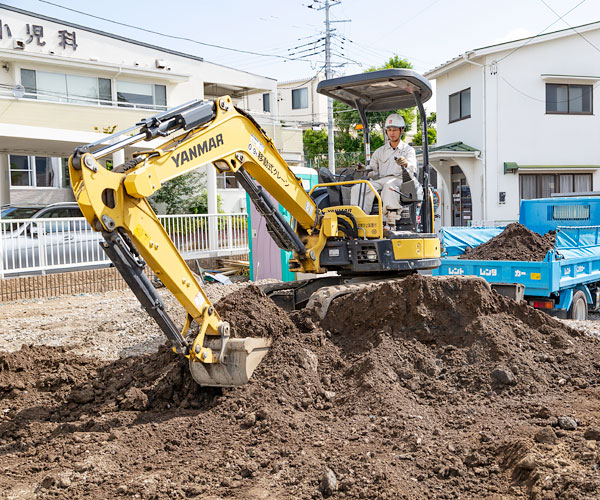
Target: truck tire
x=579, y=307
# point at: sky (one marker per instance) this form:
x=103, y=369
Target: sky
x=426, y=32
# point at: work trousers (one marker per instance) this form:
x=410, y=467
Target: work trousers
x=387, y=187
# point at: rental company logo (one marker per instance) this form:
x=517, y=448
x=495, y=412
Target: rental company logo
x=488, y=272
x=456, y=271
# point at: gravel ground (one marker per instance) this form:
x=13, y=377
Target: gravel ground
x=107, y=325
x=590, y=327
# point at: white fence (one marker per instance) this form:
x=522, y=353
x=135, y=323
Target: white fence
x=37, y=246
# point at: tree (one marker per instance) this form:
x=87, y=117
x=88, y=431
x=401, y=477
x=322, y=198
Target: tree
x=347, y=118
x=182, y=194
x=315, y=143
x=431, y=131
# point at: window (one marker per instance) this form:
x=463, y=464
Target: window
x=571, y=212
x=568, y=99
x=28, y=81
x=299, y=98
x=266, y=103
x=227, y=180
x=141, y=95
x=60, y=87
x=543, y=185
x=36, y=171
x=460, y=105
x=79, y=89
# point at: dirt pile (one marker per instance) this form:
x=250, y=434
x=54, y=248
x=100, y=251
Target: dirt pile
x=423, y=388
x=516, y=242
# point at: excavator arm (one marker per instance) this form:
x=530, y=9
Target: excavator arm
x=115, y=203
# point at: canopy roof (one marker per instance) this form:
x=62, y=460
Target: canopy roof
x=384, y=90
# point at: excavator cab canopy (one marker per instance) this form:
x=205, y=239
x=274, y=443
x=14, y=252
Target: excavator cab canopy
x=384, y=90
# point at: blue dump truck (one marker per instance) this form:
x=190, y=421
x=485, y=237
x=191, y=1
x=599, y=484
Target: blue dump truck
x=565, y=283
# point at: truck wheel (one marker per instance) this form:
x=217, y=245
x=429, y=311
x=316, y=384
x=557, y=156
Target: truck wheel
x=579, y=307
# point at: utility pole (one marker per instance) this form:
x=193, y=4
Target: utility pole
x=328, y=75
x=327, y=4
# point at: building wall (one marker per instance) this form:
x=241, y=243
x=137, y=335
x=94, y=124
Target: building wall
x=468, y=76
x=316, y=111
x=43, y=127
x=515, y=124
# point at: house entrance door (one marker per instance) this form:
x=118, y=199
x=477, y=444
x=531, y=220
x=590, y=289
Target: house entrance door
x=462, y=207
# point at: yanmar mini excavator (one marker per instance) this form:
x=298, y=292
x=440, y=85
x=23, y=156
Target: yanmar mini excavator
x=325, y=234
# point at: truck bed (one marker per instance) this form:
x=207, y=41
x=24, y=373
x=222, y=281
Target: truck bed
x=574, y=261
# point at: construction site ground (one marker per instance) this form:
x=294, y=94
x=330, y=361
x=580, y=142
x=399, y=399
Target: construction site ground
x=418, y=389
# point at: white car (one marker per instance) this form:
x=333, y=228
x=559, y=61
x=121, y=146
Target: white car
x=50, y=238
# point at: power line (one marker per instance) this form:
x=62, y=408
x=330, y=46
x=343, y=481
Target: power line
x=529, y=40
x=174, y=37
x=564, y=21
x=405, y=22
x=595, y=86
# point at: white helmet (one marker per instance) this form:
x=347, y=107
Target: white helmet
x=395, y=120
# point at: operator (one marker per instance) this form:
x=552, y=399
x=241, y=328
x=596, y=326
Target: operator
x=391, y=164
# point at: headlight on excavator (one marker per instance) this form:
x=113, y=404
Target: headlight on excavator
x=222, y=165
x=372, y=255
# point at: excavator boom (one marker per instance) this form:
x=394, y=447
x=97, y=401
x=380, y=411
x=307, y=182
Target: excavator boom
x=115, y=203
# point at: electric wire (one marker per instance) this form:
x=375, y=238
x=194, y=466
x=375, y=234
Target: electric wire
x=174, y=37
x=594, y=87
x=564, y=21
x=529, y=40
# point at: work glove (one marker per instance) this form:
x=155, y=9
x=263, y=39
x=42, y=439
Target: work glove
x=401, y=161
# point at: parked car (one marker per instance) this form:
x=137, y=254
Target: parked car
x=47, y=238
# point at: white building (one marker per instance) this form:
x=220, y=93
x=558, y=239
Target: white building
x=298, y=108
x=299, y=102
x=516, y=121
x=62, y=85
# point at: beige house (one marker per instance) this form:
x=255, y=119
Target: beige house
x=63, y=85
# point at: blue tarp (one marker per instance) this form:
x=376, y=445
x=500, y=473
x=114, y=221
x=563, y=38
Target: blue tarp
x=576, y=242
x=455, y=240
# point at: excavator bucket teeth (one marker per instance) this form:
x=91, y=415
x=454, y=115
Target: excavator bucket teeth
x=242, y=356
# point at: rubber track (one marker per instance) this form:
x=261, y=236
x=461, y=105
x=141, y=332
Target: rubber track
x=322, y=298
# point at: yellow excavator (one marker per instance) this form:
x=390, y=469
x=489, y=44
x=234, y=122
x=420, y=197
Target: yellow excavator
x=325, y=234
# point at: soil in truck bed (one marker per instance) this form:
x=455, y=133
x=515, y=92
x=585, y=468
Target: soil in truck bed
x=516, y=242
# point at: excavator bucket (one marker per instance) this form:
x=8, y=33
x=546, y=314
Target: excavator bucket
x=241, y=358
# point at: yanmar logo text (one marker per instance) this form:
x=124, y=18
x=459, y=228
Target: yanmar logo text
x=198, y=150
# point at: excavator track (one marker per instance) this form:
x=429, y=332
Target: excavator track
x=319, y=293
x=322, y=298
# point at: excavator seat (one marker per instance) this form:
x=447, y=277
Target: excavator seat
x=334, y=192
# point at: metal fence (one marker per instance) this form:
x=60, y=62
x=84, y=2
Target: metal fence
x=38, y=246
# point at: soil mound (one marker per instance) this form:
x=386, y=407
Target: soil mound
x=516, y=242
x=422, y=327
x=420, y=388
x=251, y=313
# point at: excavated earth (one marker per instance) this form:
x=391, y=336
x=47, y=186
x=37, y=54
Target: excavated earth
x=426, y=387
x=516, y=242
